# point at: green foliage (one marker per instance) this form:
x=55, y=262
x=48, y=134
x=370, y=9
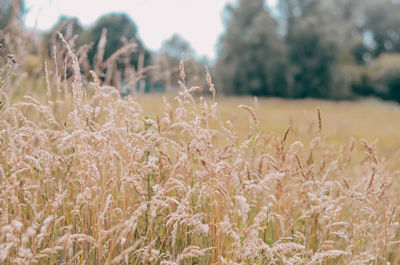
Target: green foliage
x=379, y=25
x=119, y=31
x=313, y=50
x=251, y=55
x=304, y=48
x=118, y=26
x=321, y=55
x=254, y=58
x=385, y=76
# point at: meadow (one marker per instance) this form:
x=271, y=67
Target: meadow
x=90, y=177
x=368, y=119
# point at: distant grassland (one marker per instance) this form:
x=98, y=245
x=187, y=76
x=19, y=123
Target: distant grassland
x=368, y=119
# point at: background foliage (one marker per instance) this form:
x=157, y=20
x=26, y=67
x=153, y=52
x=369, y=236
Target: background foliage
x=300, y=48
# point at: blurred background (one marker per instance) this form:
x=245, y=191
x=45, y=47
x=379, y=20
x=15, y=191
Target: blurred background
x=344, y=49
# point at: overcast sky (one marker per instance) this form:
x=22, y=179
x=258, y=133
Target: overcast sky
x=198, y=21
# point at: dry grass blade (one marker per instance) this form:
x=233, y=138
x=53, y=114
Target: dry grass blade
x=210, y=83
x=101, y=46
x=251, y=111
x=319, y=120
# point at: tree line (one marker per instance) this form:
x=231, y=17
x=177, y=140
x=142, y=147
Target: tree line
x=119, y=30
x=296, y=49
x=311, y=48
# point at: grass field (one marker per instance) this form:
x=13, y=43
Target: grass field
x=368, y=119
x=89, y=177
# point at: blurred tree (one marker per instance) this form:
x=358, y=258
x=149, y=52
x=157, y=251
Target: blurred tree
x=384, y=77
x=69, y=27
x=126, y=68
x=110, y=47
x=371, y=30
x=12, y=34
x=119, y=26
x=314, y=40
x=251, y=54
x=53, y=48
x=11, y=9
x=379, y=25
x=176, y=47
x=291, y=10
x=173, y=50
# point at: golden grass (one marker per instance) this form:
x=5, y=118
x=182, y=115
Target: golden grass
x=368, y=119
x=88, y=177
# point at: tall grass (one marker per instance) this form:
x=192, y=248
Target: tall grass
x=86, y=177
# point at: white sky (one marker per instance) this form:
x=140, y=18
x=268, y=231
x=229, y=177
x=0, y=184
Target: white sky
x=198, y=21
